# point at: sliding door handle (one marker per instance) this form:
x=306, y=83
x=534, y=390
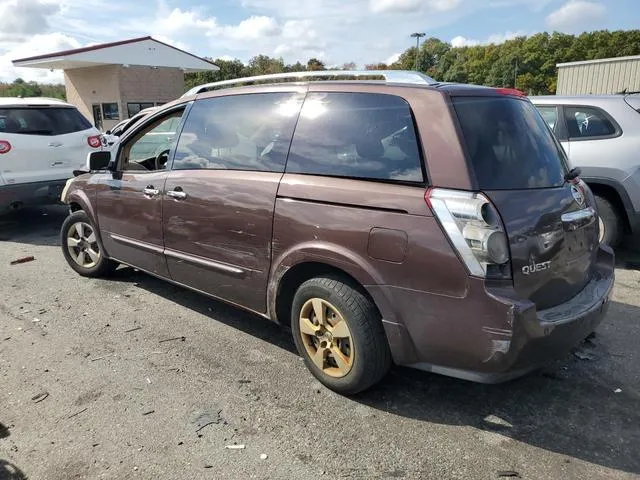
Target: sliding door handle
x=177, y=194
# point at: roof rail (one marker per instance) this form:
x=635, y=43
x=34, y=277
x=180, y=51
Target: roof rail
x=390, y=76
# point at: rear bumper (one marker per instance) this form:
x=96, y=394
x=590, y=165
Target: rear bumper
x=490, y=335
x=26, y=194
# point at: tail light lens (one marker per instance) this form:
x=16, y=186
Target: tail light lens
x=95, y=141
x=5, y=147
x=475, y=229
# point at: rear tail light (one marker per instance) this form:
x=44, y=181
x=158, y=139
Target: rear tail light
x=95, y=141
x=5, y=147
x=475, y=229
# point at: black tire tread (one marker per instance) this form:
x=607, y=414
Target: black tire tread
x=611, y=218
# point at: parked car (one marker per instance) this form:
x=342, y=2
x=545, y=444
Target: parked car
x=112, y=135
x=601, y=135
x=42, y=141
x=382, y=220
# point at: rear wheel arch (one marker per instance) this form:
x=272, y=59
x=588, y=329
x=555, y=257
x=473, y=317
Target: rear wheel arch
x=293, y=277
x=611, y=193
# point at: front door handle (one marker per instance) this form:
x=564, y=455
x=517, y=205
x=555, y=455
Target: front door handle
x=55, y=144
x=57, y=164
x=150, y=191
x=177, y=194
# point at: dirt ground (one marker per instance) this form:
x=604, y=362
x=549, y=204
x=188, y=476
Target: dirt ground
x=133, y=378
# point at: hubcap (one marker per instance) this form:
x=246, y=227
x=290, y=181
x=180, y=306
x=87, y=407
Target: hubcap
x=83, y=245
x=326, y=337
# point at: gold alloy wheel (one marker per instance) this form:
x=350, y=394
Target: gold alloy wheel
x=83, y=245
x=326, y=337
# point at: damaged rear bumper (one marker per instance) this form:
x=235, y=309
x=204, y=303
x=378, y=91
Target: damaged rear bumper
x=491, y=335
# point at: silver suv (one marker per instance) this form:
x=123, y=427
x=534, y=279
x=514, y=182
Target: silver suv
x=601, y=135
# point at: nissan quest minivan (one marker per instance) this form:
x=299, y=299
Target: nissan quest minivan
x=386, y=220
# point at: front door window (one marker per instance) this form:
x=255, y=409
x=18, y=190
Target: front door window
x=149, y=149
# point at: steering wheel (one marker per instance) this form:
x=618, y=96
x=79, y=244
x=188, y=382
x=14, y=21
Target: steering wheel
x=157, y=162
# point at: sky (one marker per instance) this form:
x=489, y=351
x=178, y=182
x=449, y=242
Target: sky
x=335, y=31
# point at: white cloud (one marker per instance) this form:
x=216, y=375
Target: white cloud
x=496, y=38
x=36, y=45
x=576, y=15
x=381, y=6
x=393, y=58
x=461, y=41
x=21, y=18
x=408, y=6
x=252, y=28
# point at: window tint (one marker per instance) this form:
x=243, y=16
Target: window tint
x=508, y=143
x=42, y=121
x=550, y=115
x=585, y=122
x=239, y=132
x=359, y=135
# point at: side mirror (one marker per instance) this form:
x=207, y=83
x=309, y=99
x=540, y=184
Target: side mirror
x=99, y=160
x=108, y=132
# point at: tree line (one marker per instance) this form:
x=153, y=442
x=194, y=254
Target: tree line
x=526, y=62
x=20, y=88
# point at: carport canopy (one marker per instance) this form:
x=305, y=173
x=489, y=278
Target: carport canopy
x=143, y=51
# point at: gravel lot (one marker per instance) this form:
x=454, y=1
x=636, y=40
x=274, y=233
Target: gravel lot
x=93, y=386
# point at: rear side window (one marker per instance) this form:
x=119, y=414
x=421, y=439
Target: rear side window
x=588, y=122
x=356, y=135
x=550, y=115
x=239, y=132
x=42, y=121
x=508, y=144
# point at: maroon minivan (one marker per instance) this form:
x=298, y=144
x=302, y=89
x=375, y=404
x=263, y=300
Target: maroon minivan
x=401, y=220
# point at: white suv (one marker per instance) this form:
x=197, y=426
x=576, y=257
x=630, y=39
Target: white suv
x=42, y=141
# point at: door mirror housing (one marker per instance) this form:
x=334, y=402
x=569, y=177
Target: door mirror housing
x=99, y=160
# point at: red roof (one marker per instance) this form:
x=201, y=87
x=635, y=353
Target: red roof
x=105, y=45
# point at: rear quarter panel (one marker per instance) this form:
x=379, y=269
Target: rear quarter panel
x=334, y=221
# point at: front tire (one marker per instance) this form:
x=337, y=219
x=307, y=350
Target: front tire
x=339, y=334
x=610, y=222
x=82, y=249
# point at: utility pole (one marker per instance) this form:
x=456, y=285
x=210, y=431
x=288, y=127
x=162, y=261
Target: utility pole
x=417, y=36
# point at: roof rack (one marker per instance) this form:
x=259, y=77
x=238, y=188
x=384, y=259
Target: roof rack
x=390, y=76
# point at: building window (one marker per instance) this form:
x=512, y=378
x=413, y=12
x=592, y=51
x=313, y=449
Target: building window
x=110, y=111
x=134, y=108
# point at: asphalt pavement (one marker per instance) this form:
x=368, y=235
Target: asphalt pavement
x=133, y=378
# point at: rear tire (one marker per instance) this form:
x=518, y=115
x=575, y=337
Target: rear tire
x=339, y=334
x=611, y=227
x=82, y=249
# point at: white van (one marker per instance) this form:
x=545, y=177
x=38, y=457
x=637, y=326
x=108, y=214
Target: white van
x=42, y=141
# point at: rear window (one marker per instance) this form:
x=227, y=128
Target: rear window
x=356, y=135
x=509, y=144
x=42, y=121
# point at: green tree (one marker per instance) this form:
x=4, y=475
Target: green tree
x=314, y=65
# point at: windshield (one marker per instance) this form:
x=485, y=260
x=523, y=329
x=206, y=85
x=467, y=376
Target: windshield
x=509, y=144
